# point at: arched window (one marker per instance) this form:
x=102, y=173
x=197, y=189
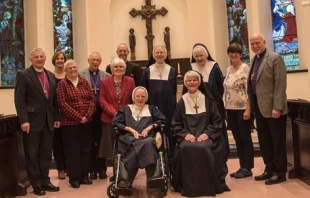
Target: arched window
x=284, y=32
x=12, y=43
x=62, y=18
x=238, y=26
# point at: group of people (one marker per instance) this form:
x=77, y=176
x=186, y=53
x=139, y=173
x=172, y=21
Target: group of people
x=72, y=113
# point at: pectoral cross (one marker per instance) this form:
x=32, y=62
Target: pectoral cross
x=160, y=76
x=138, y=117
x=95, y=89
x=196, y=107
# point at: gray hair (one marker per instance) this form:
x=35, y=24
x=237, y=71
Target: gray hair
x=162, y=46
x=69, y=62
x=93, y=54
x=120, y=45
x=117, y=61
x=36, y=50
x=192, y=74
x=201, y=47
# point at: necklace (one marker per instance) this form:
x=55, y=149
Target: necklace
x=160, y=71
x=138, y=113
x=196, y=106
x=95, y=89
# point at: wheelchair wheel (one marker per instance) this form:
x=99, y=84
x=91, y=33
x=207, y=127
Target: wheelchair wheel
x=164, y=189
x=111, y=191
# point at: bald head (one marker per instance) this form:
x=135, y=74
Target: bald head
x=122, y=51
x=258, y=43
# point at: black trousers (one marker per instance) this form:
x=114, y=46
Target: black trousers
x=58, y=150
x=241, y=130
x=150, y=170
x=97, y=164
x=77, y=145
x=38, y=153
x=272, y=140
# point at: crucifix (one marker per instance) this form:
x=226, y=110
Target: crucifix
x=95, y=89
x=148, y=13
x=196, y=107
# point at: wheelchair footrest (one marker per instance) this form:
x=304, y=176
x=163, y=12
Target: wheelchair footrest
x=124, y=191
x=156, y=182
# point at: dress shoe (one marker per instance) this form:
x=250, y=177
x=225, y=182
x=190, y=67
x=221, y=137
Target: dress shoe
x=263, y=176
x=75, y=184
x=243, y=173
x=50, y=187
x=86, y=181
x=112, y=179
x=102, y=175
x=38, y=191
x=61, y=174
x=156, y=182
x=234, y=173
x=275, y=180
x=92, y=175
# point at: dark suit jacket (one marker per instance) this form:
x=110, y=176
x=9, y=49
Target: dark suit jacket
x=30, y=102
x=270, y=85
x=133, y=70
x=109, y=99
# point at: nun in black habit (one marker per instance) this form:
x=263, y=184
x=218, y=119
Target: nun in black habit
x=198, y=158
x=160, y=79
x=136, y=143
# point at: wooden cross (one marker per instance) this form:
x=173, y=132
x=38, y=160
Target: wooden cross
x=148, y=13
x=95, y=89
x=196, y=107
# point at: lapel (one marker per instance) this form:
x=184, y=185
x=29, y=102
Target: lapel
x=87, y=76
x=262, y=65
x=101, y=73
x=34, y=77
x=111, y=86
x=51, y=82
x=123, y=87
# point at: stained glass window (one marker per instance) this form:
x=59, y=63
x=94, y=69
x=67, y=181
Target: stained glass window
x=62, y=18
x=238, y=26
x=284, y=32
x=12, y=53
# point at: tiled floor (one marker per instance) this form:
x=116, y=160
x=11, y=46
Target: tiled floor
x=241, y=188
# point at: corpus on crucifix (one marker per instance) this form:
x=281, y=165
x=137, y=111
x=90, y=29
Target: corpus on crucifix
x=148, y=13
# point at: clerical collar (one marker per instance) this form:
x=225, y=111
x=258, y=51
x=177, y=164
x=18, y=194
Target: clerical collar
x=261, y=54
x=93, y=73
x=38, y=70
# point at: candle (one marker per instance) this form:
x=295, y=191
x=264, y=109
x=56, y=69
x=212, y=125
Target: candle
x=179, y=71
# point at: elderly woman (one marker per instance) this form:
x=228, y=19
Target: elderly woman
x=77, y=105
x=137, y=143
x=161, y=82
x=238, y=110
x=115, y=92
x=58, y=60
x=197, y=132
x=213, y=78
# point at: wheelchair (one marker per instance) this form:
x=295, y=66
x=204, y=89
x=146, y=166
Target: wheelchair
x=114, y=190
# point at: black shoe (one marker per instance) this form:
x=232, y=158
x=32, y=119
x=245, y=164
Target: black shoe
x=276, y=179
x=156, y=182
x=112, y=179
x=102, y=175
x=92, y=175
x=263, y=176
x=50, y=187
x=39, y=191
x=234, y=173
x=86, y=181
x=75, y=184
x=243, y=173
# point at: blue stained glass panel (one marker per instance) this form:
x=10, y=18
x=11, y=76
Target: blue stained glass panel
x=284, y=32
x=62, y=18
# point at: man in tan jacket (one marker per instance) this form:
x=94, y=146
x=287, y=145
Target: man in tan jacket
x=267, y=94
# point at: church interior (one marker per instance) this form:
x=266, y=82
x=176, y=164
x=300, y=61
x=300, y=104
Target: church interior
x=100, y=25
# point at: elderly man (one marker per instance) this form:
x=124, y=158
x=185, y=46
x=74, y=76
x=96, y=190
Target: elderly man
x=94, y=75
x=267, y=94
x=35, y=102
x=133, y=70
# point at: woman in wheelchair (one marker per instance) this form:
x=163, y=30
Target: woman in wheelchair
x=136, y=143
x=198, y=157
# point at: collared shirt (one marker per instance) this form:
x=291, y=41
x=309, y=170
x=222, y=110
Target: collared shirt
x=256, y=64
